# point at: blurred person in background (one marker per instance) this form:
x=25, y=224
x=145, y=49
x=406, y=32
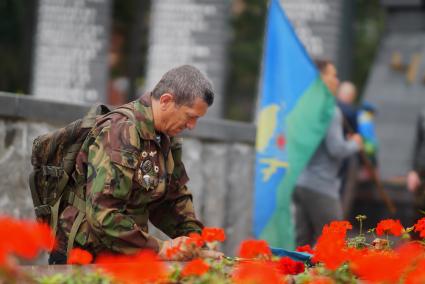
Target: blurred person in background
x=357, y=119
x=346, y=98
x=415, y=178
x=317, y=193
x=366, y=128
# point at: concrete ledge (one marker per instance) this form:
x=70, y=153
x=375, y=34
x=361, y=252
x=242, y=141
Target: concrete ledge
x=14, y=106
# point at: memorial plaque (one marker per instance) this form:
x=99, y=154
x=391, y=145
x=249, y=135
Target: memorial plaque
x=71, y=44
x=191, y=32
x=318, y=25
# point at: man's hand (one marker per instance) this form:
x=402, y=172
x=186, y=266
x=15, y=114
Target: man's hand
x=206, y=253
x=176, y=249
x=413, y=181
x=356, y=138
x=179, y=250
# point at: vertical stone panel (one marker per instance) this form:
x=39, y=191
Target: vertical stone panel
x=318, y=25
x=192, y=159
x=215, y=170
x=15, y=165
x=189, y=32
x=240, y=176
x=71, y=44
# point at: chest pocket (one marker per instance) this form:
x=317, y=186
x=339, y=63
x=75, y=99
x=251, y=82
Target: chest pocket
x=123, y=166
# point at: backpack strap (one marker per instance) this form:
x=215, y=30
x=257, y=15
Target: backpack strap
x=40, y=209
x=55, y=215
x=74, y=229
x=69, y=158
x=80, y=204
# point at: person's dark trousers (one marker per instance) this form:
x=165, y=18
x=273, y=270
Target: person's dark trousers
x=57, y=258
x=313, y=210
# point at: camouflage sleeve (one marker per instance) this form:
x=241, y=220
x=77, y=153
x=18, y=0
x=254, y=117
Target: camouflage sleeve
x=112, y=161
x=176, y=216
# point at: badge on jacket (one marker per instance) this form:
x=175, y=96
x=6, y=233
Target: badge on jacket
x=146, y=174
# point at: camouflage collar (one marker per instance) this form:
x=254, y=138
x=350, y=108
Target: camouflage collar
x=144, y=117
x=144, y=122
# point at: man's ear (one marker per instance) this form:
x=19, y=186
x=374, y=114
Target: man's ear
x=165, y=100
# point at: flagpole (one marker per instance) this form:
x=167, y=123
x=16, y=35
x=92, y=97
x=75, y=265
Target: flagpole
x=260, y=81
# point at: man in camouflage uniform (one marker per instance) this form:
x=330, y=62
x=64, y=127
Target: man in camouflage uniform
x=131, y=166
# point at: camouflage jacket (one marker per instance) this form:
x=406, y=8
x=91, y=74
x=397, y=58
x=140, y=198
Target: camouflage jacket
x=130, y=178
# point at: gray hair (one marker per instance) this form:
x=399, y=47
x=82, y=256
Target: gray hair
x=185, y=83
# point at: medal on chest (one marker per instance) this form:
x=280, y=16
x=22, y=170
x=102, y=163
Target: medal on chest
x=147, y=173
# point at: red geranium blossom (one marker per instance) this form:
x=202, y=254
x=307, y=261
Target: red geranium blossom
x=331, y=248
x=389, y=226
x=420, y=227
x=376, y=265
x=254, y=249
x=79, y=256
x=306, y=248
x=196, y=267
x=213, y=234
x=287, y=266
x=195, y=239
x=145, y=267
x=23, y=238
x=417, y=275
x=340, y=227
x=385, y=266
x=256, y=272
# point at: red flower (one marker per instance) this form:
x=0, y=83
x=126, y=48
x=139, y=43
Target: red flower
x=340, y=227
x=286, y=266
x=3, y=256
x=256, y=272
x=385, y=266
x=376, y=265
x=195, y=239
x=254, y=249
x=196, y=267
x=23, y=238
x=213, y=234
x=389, y=226
x=79, y=256
x=144, y=267
x=420, y=227
x=417, y=275
x=331, y=248
x=306, y=248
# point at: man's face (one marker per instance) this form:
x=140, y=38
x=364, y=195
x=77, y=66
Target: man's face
x=347, y=93
x=330, y=78
x=176, y=118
